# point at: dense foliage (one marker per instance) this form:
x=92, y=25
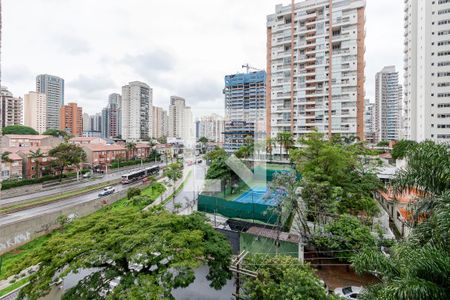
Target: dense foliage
x=428, y=169
x=335, y=179
x=281, y=277
x=65, y=155
x=19, y=129
x=419, y=267
x=401, y=148
x=57, y=133
x=147, y=253
x=345, y=235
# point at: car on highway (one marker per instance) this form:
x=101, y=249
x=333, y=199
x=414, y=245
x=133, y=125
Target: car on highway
x=107, y=191
x=349, y=292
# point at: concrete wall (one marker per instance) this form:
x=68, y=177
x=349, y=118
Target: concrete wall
x=19, y=191
x=16, y=234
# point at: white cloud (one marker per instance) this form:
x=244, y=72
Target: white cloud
x=178, y=47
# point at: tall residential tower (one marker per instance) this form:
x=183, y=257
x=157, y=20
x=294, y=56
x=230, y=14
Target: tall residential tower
x=137, y=98
x=388, y=101
x=35, y=111
x=53, y=88
x=426, y=106
x=315, y=68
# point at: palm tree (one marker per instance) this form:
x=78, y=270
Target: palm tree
x=418, y=268
x=131, y=147
x=36, y=156
x=286, y=141
x=173, y=172
x=269, y=146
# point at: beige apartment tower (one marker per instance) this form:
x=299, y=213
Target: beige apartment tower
x=315, y=68
x=35, y=111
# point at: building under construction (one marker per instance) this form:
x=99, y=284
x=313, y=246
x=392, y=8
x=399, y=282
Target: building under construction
x=245, y=104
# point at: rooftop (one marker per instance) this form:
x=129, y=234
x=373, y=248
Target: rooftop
x=272, y=234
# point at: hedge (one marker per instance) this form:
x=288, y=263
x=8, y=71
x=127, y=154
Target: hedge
x=9, y=184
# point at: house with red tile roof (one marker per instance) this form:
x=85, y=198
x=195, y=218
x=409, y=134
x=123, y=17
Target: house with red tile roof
x=12, y=167
x=99, y=156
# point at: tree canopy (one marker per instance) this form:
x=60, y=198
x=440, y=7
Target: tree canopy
x=19, y=129
x=281, y=277
x=65, y=155
x=335, y=179
x=57, y=133
x=401, y=148
x=147, y=253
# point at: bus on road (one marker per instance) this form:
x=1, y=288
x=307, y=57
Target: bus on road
x=138, y=175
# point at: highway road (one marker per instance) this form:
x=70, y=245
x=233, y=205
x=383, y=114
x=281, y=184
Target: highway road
x=55, y=206
x=64, y=189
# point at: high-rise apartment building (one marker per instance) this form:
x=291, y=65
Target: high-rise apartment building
x=10, y=109
x=71, y=119
x=245, y=108
x=426, y=107
x=111, y=117
x=212, y=127
x=388, y=101
x=315, y=68
x=369, y=112
x=95, y=123
x=35, y=111
x=86, y=122
x=160, y=122
x=137, y=98
x=53, y=88
x=181, y=123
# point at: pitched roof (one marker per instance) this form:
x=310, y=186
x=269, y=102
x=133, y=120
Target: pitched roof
x=27, y=136
x=272, y=234
x=104, y=147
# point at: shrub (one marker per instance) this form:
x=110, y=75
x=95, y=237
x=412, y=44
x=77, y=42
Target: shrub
x=132, y=192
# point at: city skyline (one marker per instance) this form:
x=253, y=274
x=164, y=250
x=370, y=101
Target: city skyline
x=195, y=71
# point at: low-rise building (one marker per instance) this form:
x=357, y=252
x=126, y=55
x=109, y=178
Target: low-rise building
x=17, y=140
x=396, y=206
x=99, y=156
x=87, y=140
x=11, y=167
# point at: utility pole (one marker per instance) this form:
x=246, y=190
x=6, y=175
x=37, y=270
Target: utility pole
x=238, y=270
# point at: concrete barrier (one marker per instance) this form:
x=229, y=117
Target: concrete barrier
x=23, y=231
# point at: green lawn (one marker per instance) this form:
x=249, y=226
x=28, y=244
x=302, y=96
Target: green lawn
x=11, y=258
x=13, y=286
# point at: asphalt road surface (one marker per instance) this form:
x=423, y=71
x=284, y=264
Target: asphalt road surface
x=188, y=195
x=64, y=189
x=55, y=206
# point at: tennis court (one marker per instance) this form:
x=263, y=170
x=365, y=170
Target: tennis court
x=258, y=195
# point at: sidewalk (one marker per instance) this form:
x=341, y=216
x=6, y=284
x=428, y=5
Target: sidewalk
x=169, y=190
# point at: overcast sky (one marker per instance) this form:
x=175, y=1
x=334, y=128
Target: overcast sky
x=178, y=47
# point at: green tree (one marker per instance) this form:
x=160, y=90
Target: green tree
x=65, y=155
x=173, y=172
x=132, y=192
x=19, y=129
x=162, y=139
x=131, y=148
x=286, y=141
x=401, y=148
x=428, y=169
x=36, y=156
x=148, y=253
x=5, y=157
x=203, y=141
x=346, y=233
x=383, y=144
x=418, y=268
x=57, y=133
x=348, y=183
x=269, y=146
x=219, y=169
x=281, y=277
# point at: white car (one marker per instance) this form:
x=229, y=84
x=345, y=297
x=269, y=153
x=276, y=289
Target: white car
x=349, y=292
x=107, y=191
